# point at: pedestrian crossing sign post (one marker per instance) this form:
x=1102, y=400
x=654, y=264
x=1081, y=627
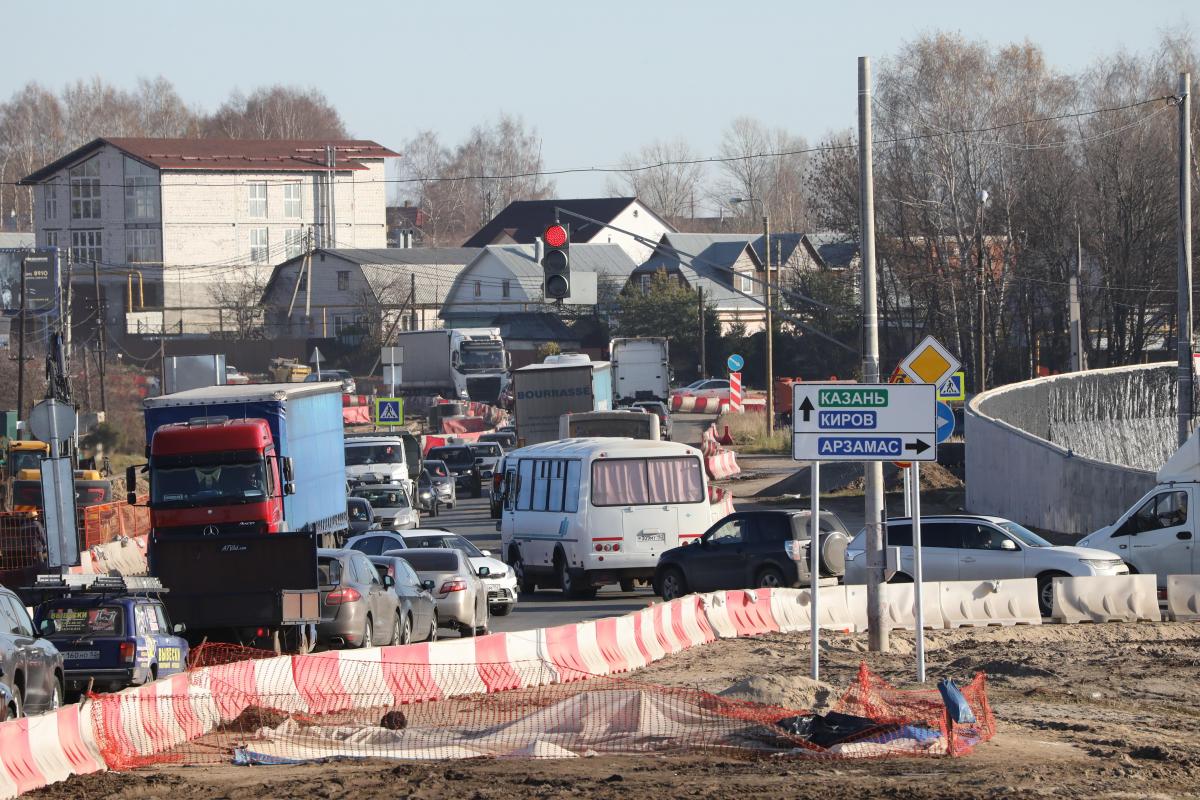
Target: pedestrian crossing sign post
x=954, y=388
x=389, y=411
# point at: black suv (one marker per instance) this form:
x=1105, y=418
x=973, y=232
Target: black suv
x=751, y=549
x=460, y=460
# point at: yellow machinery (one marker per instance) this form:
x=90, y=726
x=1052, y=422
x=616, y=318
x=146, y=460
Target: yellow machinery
x=288, y=370
x=25, y=455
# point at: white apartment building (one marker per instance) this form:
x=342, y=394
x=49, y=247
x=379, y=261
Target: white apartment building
x=193, y=225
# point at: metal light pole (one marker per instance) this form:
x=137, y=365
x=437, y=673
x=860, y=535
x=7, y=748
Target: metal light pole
x=767, y=302
x=1184, y=326
x=981, y=367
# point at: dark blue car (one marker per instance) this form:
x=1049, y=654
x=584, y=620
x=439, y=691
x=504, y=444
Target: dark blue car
x=112, y=640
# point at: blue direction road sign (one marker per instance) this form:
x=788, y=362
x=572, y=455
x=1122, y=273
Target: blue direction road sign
x=735, y=363
x=945, y=421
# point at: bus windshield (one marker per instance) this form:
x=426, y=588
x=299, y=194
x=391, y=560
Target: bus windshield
x=647, y=481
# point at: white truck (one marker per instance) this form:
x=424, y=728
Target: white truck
x=1159, y=533
x=457, y=363
x=562, y=384
x=641, y=369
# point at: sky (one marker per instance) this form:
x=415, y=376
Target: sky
x=596, y=79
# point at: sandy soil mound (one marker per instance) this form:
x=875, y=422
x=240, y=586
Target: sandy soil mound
x=795, y=692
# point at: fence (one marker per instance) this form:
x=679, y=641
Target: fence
x=108, y=522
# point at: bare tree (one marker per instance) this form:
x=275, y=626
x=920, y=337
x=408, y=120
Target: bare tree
x=276, y=112
x=424, y=162
x=238, y=298
x=766, y=164
x=31, y=135
x=658, y=174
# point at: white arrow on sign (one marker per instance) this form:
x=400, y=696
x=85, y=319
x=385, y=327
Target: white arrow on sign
x=864, y=422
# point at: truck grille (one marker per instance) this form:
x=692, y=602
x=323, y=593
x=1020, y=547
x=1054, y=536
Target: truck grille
x=483, y=390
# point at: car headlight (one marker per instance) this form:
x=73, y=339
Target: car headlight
x=1101, y=563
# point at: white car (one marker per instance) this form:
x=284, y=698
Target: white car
x=708, y=387
x=392, y=506
x=501, y=582
x=969, y=548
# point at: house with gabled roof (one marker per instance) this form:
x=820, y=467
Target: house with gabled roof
x=524, y=221
x=403, y=288
x=196, y=220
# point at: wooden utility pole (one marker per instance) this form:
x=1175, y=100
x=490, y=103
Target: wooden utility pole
x=703, y=353
x=1184, y=328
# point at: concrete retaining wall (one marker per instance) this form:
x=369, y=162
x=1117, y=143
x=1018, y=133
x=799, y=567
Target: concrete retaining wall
x=1042, y=452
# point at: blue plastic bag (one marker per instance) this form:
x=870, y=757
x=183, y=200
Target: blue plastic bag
x=957, y=707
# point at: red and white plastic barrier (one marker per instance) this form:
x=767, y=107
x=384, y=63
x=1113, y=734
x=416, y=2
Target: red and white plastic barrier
x=722, y=465
x=735, y=392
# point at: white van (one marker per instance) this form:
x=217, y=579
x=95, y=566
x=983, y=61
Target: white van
x=578, y=514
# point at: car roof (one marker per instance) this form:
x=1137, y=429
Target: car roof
x=390, y=487
x=609, y=446
x=373, y=440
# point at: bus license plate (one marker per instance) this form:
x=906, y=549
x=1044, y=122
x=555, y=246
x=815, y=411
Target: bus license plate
x=80, y=655
x=651, y=536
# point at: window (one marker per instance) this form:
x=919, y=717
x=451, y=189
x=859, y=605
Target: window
x=1164, y=510
x=731, y=532
x=773, y=528
x=141, y=246
x=85, y=190
x=141, y=191
x=291, y=200
x=86, y=246
x=340, y=322
x=745, y=283
x=303, y=282
x=645, y=281
x=293, y=242
x=525, y=484
x=51, y=238
x=982, y=537
x=329, y=571
x=21, y=624
x=548, y=484
x=479, y=288
x=259, y=249
x=505, y=288
x=257, y=199
x=647, y=481
x=343, y=279
x=933, y=534
x=50, y=195
x=541, y=486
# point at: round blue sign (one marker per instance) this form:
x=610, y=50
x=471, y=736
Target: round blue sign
x=945, y=421
x=735, y=362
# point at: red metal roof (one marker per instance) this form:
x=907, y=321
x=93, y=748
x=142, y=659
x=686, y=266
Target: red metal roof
x=223, y=155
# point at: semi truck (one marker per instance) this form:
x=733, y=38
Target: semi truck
x=564, y=384
x=246, y=482
x=457, y=363
x=641, y=369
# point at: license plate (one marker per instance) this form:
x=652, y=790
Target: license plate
x=651, y=536
x=80, y=655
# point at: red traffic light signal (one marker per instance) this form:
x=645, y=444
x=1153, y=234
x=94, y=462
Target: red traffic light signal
x=555, y=236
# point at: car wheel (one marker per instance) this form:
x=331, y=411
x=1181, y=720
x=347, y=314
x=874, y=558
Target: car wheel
x=368, y=639
x=502, y=609
x=16, y=709
x=56, y=695
x=433, y=629
x=406, y=630
x=524, y=583
x=394, y=639
x=900, y=577
x=672, y=585
x=628, y=585
x=770, y=578
x=1045, y=585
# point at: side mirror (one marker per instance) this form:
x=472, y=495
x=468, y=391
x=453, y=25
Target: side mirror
x=487, y=553
x=179, y=628
x=388, y=581
x=289, y=488
x=484, y=572
x=1008, y=544
x=48, y=628
x=427, y=585
x=289, y=474
x=131, y=485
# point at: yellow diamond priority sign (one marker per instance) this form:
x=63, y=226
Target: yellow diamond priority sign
x=929, y=362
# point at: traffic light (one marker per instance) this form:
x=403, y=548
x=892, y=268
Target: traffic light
x=556, y=262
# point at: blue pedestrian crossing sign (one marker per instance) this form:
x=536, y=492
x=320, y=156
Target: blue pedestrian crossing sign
x=945, y=422
x=954, y=387
x=389, y=411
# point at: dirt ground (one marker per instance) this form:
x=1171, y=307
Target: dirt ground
x=1084, y=711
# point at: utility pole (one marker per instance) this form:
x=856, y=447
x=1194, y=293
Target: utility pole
x=1074, y=310
x=700, y=314
x=330, y=176
x=1184, y=330
x=770, y=327
x=100, y=336
x=412, y=299
x=21, y=351
x=981, y=366
x=875, y=509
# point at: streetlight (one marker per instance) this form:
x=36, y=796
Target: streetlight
x=981, y=379
x=767, y=303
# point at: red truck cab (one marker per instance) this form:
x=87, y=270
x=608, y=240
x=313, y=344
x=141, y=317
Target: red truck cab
x=216, y=477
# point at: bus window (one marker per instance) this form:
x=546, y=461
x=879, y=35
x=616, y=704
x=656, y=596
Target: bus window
x=639, y=481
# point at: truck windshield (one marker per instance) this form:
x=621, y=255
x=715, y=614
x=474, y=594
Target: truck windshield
x=204, y=484
x=477, y=357
x=364, y=454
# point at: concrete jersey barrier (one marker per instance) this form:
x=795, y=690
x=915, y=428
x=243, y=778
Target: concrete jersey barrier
x=1183, y=598
x=1106, y=598
x=1012, y=601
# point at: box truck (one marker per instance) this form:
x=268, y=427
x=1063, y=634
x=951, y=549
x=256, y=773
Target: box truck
x=457, y=363
x=641, y=369
x=562, y=385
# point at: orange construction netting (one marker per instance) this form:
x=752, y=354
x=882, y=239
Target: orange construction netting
x=354, y=708
x=108, y=522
